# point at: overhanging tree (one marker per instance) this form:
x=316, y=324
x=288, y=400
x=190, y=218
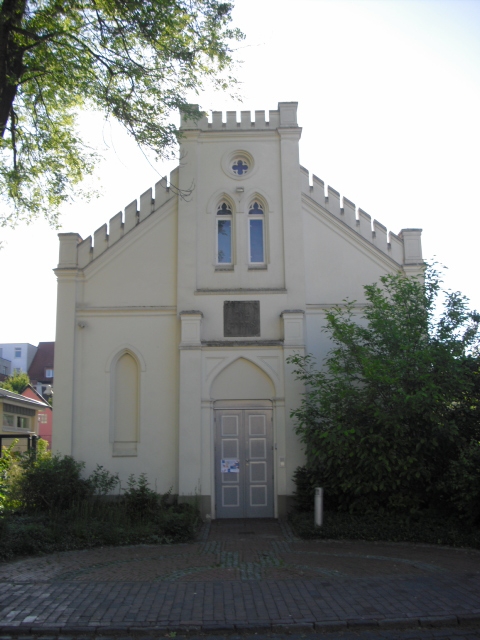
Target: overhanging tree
x=397, y=404
x=16, y=382
x=134, y=60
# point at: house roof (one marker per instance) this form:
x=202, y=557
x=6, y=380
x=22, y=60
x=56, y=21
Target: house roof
x=35, y=392
x=10, y=396
x=42, y=360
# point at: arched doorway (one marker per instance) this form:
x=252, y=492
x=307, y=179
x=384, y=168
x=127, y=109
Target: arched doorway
x=244, y=470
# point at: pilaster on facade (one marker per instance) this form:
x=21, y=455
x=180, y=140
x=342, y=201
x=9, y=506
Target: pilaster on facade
x=66, y=273
x=293, y=329
x=191, y=325
x=293, y=345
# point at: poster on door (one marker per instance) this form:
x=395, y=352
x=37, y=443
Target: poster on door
x=230, y=465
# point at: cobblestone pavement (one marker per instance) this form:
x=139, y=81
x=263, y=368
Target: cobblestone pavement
x=249, y=577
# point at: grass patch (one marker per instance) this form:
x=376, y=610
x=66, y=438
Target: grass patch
x=422, y=528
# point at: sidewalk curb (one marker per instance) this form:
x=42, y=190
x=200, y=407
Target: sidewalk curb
x=223, y=628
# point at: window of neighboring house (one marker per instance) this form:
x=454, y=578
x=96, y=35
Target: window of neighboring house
x=17, y=370
x=5, y=369
x=8, y=420
x=15, y=422
x=256, y=234
x=18, y=352
x=42, y=417
x=49, y=373
x=23, y=423
x=224, y=234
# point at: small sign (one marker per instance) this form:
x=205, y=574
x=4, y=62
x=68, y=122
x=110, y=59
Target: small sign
x=230, y=465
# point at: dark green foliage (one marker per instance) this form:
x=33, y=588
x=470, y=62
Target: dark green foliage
x=6, y=462
x=90, y=524
x=393, y=419
x=56, y=509
x=305, y=489
x=135, y=62
x=423, y=528
x=52, y=483
x=103, y=482
x=181, y=523
x=140, y=500
x=460, y=486
x=16, y=383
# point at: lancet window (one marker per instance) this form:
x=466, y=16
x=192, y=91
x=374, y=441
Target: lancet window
x=224, y=225
x=256, y=233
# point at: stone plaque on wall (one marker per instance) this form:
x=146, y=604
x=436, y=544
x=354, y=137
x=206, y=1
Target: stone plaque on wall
x=241, y=319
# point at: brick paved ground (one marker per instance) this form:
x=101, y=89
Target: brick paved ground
x=244, y=576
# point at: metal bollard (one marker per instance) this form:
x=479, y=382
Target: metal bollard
x=318, y=506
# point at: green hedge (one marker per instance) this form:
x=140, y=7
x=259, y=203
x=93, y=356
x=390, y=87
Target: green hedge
x=423, y=528
x=93, y=524
x=47, y=505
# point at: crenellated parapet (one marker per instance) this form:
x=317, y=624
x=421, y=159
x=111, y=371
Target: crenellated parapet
x=81, y=252
x=284, y=116
x=404, y=248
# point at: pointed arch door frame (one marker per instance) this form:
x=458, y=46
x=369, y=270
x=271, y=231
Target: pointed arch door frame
x=270, y=363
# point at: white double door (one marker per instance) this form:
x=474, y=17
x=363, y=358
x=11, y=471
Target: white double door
x=244, y=462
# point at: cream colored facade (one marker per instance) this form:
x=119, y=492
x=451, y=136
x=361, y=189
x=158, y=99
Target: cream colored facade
x=145, y=351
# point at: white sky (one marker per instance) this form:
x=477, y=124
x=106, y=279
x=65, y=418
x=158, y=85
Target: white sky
x=389, y=103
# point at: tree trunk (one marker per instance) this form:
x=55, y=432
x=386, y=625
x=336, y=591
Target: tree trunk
x=11, y=57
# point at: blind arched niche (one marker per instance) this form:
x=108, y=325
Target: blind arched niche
x=126, y=406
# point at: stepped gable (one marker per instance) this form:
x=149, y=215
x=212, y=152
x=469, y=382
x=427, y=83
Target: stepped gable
x=124, y=221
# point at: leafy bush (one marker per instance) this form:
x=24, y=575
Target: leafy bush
x=396, y=408
x=461, y=484
x=57, y=509
x=52, y=507
x=103, y=481
x=52, y=483
x=180, y=522
x=140, y=500
x=305, y=489
x=7, y=460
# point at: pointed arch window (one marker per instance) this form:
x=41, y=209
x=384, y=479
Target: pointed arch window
x=224, y=224
x=126, y=405
x=256, y=233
